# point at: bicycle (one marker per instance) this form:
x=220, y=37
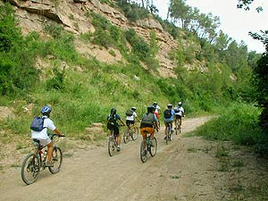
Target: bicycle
x=112, y=143
x=168, y=132
x=132, y=132
x=148, y=145
x=33, y=163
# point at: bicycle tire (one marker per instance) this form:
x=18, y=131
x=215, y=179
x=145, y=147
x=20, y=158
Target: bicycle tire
x=167, y=135
x=30, y=168
x=126, y=136
x=135, y=134
x=153, y=147
x=177, y=127
x=143, y=151
x=111, y=147
x=56, y=160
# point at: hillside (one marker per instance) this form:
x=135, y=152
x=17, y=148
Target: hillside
x=74, y=17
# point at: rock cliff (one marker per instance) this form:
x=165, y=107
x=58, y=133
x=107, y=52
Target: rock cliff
x=71, y=14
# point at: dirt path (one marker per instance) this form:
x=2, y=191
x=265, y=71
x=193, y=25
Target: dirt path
x=186, y=169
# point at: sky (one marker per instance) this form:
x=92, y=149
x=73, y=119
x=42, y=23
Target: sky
x=236, y=23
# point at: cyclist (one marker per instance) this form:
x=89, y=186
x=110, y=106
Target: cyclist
x=43, y=137
x=112, y=124
x=130, y=120
x=157, y=112
x=169, y=117
x=148, y=123
x=179, y=113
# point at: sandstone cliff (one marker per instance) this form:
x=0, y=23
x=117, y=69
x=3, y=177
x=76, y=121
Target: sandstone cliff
x=33, y=14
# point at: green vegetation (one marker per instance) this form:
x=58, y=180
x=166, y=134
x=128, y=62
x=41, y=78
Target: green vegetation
x=238, y=123
x=82, y=90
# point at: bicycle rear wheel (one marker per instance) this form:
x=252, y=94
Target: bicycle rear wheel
x=111, y=147
x=30, y=168
x=56, y=160
x=126, y=136
x=143, y=151
x=167, y=135
x=153, y=147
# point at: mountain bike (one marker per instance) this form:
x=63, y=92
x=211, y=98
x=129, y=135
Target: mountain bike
x=178, y=126
x=112, y=143
x=131, y=132
x=33, y=163
x=148, y=146
x=168, y=132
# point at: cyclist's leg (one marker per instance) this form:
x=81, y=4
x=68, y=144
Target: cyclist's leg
x=117, y=134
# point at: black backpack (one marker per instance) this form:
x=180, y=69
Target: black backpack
x=111, y=120
x=167, y=113
x=37, y=124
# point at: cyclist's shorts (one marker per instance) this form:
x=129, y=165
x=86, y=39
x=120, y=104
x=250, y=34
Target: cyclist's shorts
x=115, y=128
x=178, y=116
x=167, y=122
x=128, y=122
x=146, y=130
x=44, y=142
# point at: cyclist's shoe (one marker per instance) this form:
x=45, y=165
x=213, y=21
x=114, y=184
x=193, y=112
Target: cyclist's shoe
x=118, y=148
x=165, y=137
x=49, y=164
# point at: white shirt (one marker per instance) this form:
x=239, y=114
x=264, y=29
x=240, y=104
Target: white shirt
x=48, y=124
x=132, y=118
x=157, y=108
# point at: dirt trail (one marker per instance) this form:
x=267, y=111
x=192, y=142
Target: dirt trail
x=186, y=169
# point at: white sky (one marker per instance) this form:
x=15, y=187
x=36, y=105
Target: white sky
x=236, y=23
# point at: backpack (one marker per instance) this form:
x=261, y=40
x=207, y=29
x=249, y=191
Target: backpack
x=167, y=113
x=176, y=109
x=112, y=119
x=129, y=112
x=37, y=124
x=147, y=120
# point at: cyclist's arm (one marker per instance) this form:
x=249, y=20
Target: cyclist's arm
x=123, y=123
x=58, y=132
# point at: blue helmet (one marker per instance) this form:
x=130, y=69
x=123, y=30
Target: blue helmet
x=46, y=110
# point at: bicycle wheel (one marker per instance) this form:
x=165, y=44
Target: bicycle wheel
x=177, y=127
x=30, y=168
x=135, y=134
x=111, y=147
x=143, y=151
x=56, y=160
x=153, y=147
x=126, y=136
x=167, y=135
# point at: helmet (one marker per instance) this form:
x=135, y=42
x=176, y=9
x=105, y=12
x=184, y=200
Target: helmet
x=46, y=110
x=155, y=104
x=169, y=105
x=180, y=104
x=150, y=108
x=133, y=108
x=113, y=111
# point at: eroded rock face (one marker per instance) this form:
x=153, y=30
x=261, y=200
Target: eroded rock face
x=73, y=15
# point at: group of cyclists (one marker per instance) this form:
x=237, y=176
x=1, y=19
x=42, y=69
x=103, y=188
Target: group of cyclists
x=149, y=122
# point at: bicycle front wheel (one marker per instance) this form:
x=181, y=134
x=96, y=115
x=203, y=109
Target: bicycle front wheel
x=153, y=147
x=30, y=168
x=167, y=135
x=111, y=147
x=56, y=160
x=126, y=136
x=143, y=151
